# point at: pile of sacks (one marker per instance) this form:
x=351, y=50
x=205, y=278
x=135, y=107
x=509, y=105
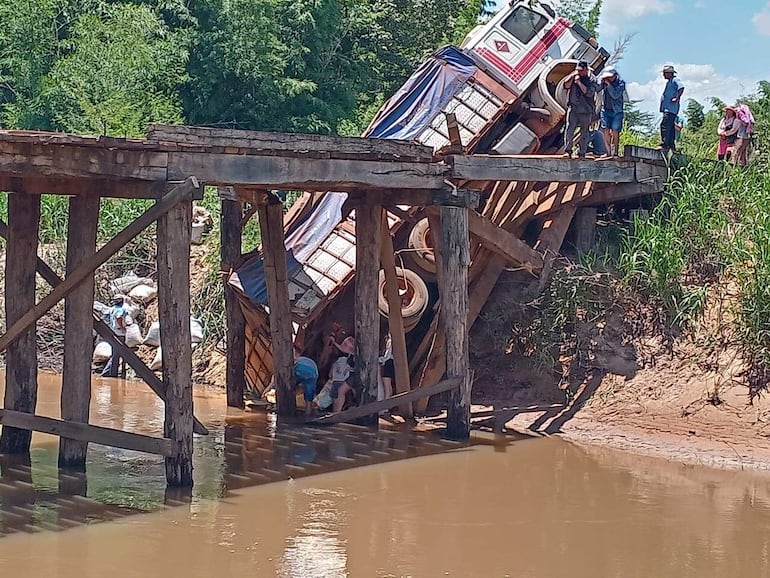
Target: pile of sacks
x=137, y=292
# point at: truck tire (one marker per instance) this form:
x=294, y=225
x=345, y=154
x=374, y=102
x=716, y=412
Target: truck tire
x=414, y=300
x=421, y=247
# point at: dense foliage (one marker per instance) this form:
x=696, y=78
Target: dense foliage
x=112, y=66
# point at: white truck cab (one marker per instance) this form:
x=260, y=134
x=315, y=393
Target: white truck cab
x=521, y=41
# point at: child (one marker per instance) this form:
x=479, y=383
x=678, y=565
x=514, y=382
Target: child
x=341, y=369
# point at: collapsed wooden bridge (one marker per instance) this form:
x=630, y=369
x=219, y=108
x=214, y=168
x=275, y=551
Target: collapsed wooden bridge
x=173, y=165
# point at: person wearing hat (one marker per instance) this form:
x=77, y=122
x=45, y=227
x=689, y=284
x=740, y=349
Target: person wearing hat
x=669, y=106
x=118, y=315
x=728, y=133
x=612, y=108
x=581, y=106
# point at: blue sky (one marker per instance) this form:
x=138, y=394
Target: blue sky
x=719, y=47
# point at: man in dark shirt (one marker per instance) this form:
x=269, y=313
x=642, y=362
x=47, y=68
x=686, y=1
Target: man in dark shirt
x=581, y=107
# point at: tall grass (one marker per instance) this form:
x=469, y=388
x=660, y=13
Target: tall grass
x=713, y=226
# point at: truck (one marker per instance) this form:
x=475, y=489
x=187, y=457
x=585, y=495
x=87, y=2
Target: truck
x=504, y=86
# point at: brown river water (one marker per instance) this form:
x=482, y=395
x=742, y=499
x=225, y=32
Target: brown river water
x=345, y=501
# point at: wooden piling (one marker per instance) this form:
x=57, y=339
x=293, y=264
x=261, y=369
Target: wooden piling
x=21, y=354
x=274, y=255
x=174, y=236
x=453, y=288
x=368, y=224
x=585, y=228
x=231, y=234
x=82, y=225
x=395, y=319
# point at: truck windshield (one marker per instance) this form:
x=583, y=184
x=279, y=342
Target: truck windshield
x=524, y=24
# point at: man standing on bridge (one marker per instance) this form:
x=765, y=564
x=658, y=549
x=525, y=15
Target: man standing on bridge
x=581, y=107
x=669, y=106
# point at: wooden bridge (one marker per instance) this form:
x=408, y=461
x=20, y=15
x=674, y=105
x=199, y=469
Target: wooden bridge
x=172, y=166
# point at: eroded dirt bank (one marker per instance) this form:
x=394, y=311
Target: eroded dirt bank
x=617, y=382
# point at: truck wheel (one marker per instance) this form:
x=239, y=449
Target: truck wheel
x=421, y=247
x=414, y=296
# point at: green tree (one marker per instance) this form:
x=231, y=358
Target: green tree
x=695, y=115
x=122, y=71
x=583, y=12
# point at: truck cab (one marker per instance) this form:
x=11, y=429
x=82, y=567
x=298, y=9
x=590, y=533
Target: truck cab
x=523, y=40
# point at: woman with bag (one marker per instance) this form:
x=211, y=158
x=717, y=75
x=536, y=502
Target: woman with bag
x=728, y=133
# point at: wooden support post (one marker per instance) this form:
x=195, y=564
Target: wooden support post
x=276, y=277
x=174, y=236
x=82, y=224
x=230, y=230
x=368, y=224
x=585, y=229
x=21, y=355
x=453, y=287
x=395, y=319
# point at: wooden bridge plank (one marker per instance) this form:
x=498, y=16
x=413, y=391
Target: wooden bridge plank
x=277, y=172
x=89, y=433
x=536, y=168
x=291, y=143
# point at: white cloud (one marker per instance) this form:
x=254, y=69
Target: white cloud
x=699, y=5
x=702, y=81
x=617, y=13
x=761, y=20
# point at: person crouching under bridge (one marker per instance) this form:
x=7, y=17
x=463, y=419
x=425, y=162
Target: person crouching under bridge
x=581, y=106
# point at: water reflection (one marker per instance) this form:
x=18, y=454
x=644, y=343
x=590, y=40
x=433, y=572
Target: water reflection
x=530, y=508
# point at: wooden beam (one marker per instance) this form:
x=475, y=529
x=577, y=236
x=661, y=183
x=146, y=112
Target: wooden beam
x=174, y=237
x=502, y=242
x=21, y=357
x=453, y=288
x=177, y=194
x=539, y=168
x=617, y=193
x=88, y=433
x=376, y=407
x=445, y=196
x=231, y=229
x=368, y=224
x=300, y=144
x=73, y=161
x=271, y=172
x=82, y=225
x=551, y=238
x=276, y=278
x=104, y=331
x=395, y=319
x=554, y=230
x=585, y=229
x=32, y=183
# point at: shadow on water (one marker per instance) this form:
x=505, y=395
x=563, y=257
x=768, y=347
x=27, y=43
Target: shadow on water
x=242, y=451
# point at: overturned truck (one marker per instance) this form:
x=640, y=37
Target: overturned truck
x=502, y=92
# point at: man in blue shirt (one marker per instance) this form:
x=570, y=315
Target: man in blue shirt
x=612, y=108
x=669, y=106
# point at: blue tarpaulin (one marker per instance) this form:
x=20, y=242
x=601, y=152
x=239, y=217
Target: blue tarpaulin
x=406, y=114
x=423, y=96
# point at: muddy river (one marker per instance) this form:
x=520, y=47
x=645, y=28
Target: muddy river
x=349, y=502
